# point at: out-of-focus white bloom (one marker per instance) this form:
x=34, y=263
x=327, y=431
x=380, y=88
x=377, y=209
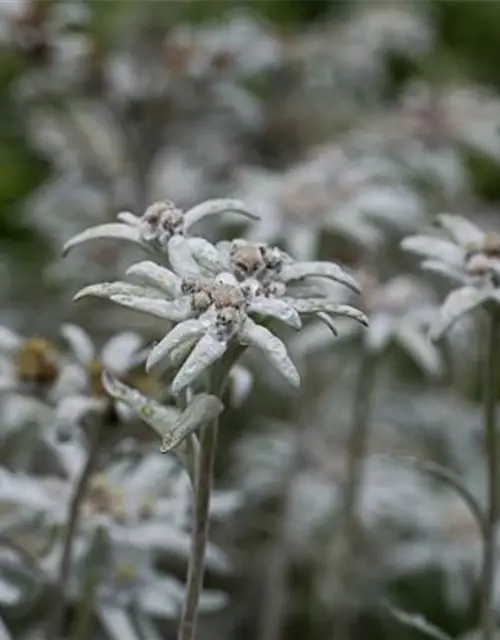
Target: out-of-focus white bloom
x=355, y=196
x=469, y=258
x=400, y=311
x=118, y=356
x=142, y=508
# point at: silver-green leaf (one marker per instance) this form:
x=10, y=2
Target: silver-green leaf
x=299, y=270
x=457, y=304
x=273, y=348
x=205, y=353
x=153, y=275
x=112, y=230
x=216, y=207
x=202, y=409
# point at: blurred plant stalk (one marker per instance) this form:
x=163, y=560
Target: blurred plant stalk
x=491, y=443
x=56, y=615
x=356, y=451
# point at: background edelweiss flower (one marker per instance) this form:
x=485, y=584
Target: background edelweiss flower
x=469, y=258
x=28, y=364
x=137, y=512
x=336, y=190
x=400, y=311
x=85, y=393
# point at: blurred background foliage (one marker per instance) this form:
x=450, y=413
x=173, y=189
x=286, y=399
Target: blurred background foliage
x=467, y=35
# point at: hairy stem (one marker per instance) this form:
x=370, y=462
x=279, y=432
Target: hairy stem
x=203, y=487
x=202, y=493
x=489, y=550
x=275, y=596
x=356, y=452
x=56, y=614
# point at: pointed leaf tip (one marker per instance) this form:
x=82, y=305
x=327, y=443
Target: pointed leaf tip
x=117, y=230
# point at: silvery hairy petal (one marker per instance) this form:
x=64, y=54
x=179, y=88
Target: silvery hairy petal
x=117, y=288
x=183, y=332
x=79, y=341
x=275, y=308
x=175, y=310
x=205, y=353
x=206, y=255
x=299, y=270
x=9, y=341
x=117, y=622
x=202, y=409
x=214, y=207
x=379, y=332
x=434, y=249
x=181, y=258
x=129, y=218
x=442, y=269
x=420, y=348
x=314, y=305
x=274, y=349
x=456, y=305
x=461, y=230
x=153, y=275
x=162, y=419
x=116, y=230
x=121, y=351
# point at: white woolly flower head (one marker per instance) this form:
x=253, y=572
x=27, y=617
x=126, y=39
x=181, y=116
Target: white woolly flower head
x=469, y=258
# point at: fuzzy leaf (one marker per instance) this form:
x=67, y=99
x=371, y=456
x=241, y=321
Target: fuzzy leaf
x=79, y=341
x=162, y=419
x=153, y=275
x=462, y=231
x=4, y=632
x=457, y=304
x=206, y=352
x=274, y=349
x=181, y=258
x=183, y=332
x=129, y=218
x=417, y=622
x=116, y=230
x=420, y=349
x=111, y=289
x=299, y=270
x=442, y=269
x=9, y=341
x=207, y=255
x=202, y=409
x=379, y=332
x=215, y=207
x=175, y=310
x=117, y=623
x=315, y=305
x=325, y=319
x=434, y=248
x=275, y=308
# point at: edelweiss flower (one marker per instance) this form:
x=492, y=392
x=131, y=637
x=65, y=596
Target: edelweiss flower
x=28, y=364
x=336, y=190
x=162, y=228
x=470, y=258
x=400, y=312
x=216, y=312
x=144, y=509
x=118, y=356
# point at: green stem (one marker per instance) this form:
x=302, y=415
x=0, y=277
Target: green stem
x=201, y=519
x=489, y=550
x=356, y=451
x=57, y=612
x=203, y=487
